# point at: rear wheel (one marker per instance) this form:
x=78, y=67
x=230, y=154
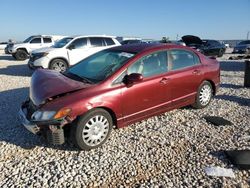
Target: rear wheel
x=221, y=52
x=21, y=55
x=58, y=65
x=92, y=129
x=204, y=95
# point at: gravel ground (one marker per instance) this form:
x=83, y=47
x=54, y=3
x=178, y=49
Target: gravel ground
x=170, y=150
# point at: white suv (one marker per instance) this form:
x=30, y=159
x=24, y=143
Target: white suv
x=69, y=51
x=21, y=51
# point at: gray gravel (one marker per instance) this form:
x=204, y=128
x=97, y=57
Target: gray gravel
x=170, y=150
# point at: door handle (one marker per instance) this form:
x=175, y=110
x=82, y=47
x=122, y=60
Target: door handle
x=197, y=72
x=164, y=80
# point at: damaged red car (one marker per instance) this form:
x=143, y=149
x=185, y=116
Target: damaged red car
x=114, y=88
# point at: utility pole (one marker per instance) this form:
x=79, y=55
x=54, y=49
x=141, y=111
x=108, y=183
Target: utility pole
x=248, y=34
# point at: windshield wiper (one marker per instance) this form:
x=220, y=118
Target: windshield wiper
x=80, y=78
x=86, y=79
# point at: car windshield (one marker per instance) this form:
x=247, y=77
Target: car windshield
x=244, y=42
x=99, y=66
x=61, y=43
x=28, y=39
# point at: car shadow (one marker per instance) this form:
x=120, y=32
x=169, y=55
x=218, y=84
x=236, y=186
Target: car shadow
x=220, y=155
x=240, y=100
x=11, y=130
x=16, y=70
x=232, y=86
x=7, y=57
x=232, y=65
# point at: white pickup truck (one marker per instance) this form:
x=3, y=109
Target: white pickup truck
x=21, y=51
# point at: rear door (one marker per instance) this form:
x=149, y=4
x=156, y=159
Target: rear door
x=185, y=75
x=96, y=44
x=47, y=42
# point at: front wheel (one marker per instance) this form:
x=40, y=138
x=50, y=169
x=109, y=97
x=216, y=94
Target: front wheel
x=14, y=56
x=204, y=95
x=21, y=55
x=59, y=65
x=92, y=129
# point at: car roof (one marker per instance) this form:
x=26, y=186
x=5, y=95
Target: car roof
x=142, y=47
x=83, y=36
x=41, y=36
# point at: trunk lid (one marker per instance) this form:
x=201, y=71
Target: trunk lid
x=191, y=40
x=48, y=83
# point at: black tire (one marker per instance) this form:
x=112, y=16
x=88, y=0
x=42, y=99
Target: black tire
x=21, y=55
x=221, y=52
x=202, y=102
x=58, y=65
x=14, y=56
x=82, y=128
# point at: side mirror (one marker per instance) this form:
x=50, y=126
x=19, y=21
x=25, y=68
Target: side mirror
x=71, y=47
x=132, y=78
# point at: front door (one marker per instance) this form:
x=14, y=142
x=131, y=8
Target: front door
x=148, y=96
x=77, y=50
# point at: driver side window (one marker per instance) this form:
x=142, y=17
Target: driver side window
x=150, y=65
x=35, y=41
x=79, y=43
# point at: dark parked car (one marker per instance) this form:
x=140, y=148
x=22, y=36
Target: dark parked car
x=117, y=87
x=131, y=41
x=205, y=46
x=242, y=47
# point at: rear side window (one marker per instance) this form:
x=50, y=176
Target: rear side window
x=79, y=43
x=179, y=59
x=36, y=41
x=96, y=41
x=109, y=41
x=47, y=40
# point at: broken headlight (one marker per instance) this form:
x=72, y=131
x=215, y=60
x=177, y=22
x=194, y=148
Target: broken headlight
x=43, y=115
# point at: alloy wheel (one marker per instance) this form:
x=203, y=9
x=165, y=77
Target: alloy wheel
x=59, y=66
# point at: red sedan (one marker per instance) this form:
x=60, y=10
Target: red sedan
x=117, y=87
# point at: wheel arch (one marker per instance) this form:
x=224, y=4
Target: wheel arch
x=24, y=49
x=212, y=84
x=111, y=112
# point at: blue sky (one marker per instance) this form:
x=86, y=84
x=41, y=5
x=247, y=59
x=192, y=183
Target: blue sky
x=217, y=19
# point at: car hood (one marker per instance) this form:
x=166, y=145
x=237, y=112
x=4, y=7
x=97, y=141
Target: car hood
x=190, y=39
x=47, y=84
x=46, y=49
x=16, y=45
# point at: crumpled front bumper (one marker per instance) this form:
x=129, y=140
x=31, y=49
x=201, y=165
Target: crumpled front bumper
x=36, y=126
x=30, y=126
